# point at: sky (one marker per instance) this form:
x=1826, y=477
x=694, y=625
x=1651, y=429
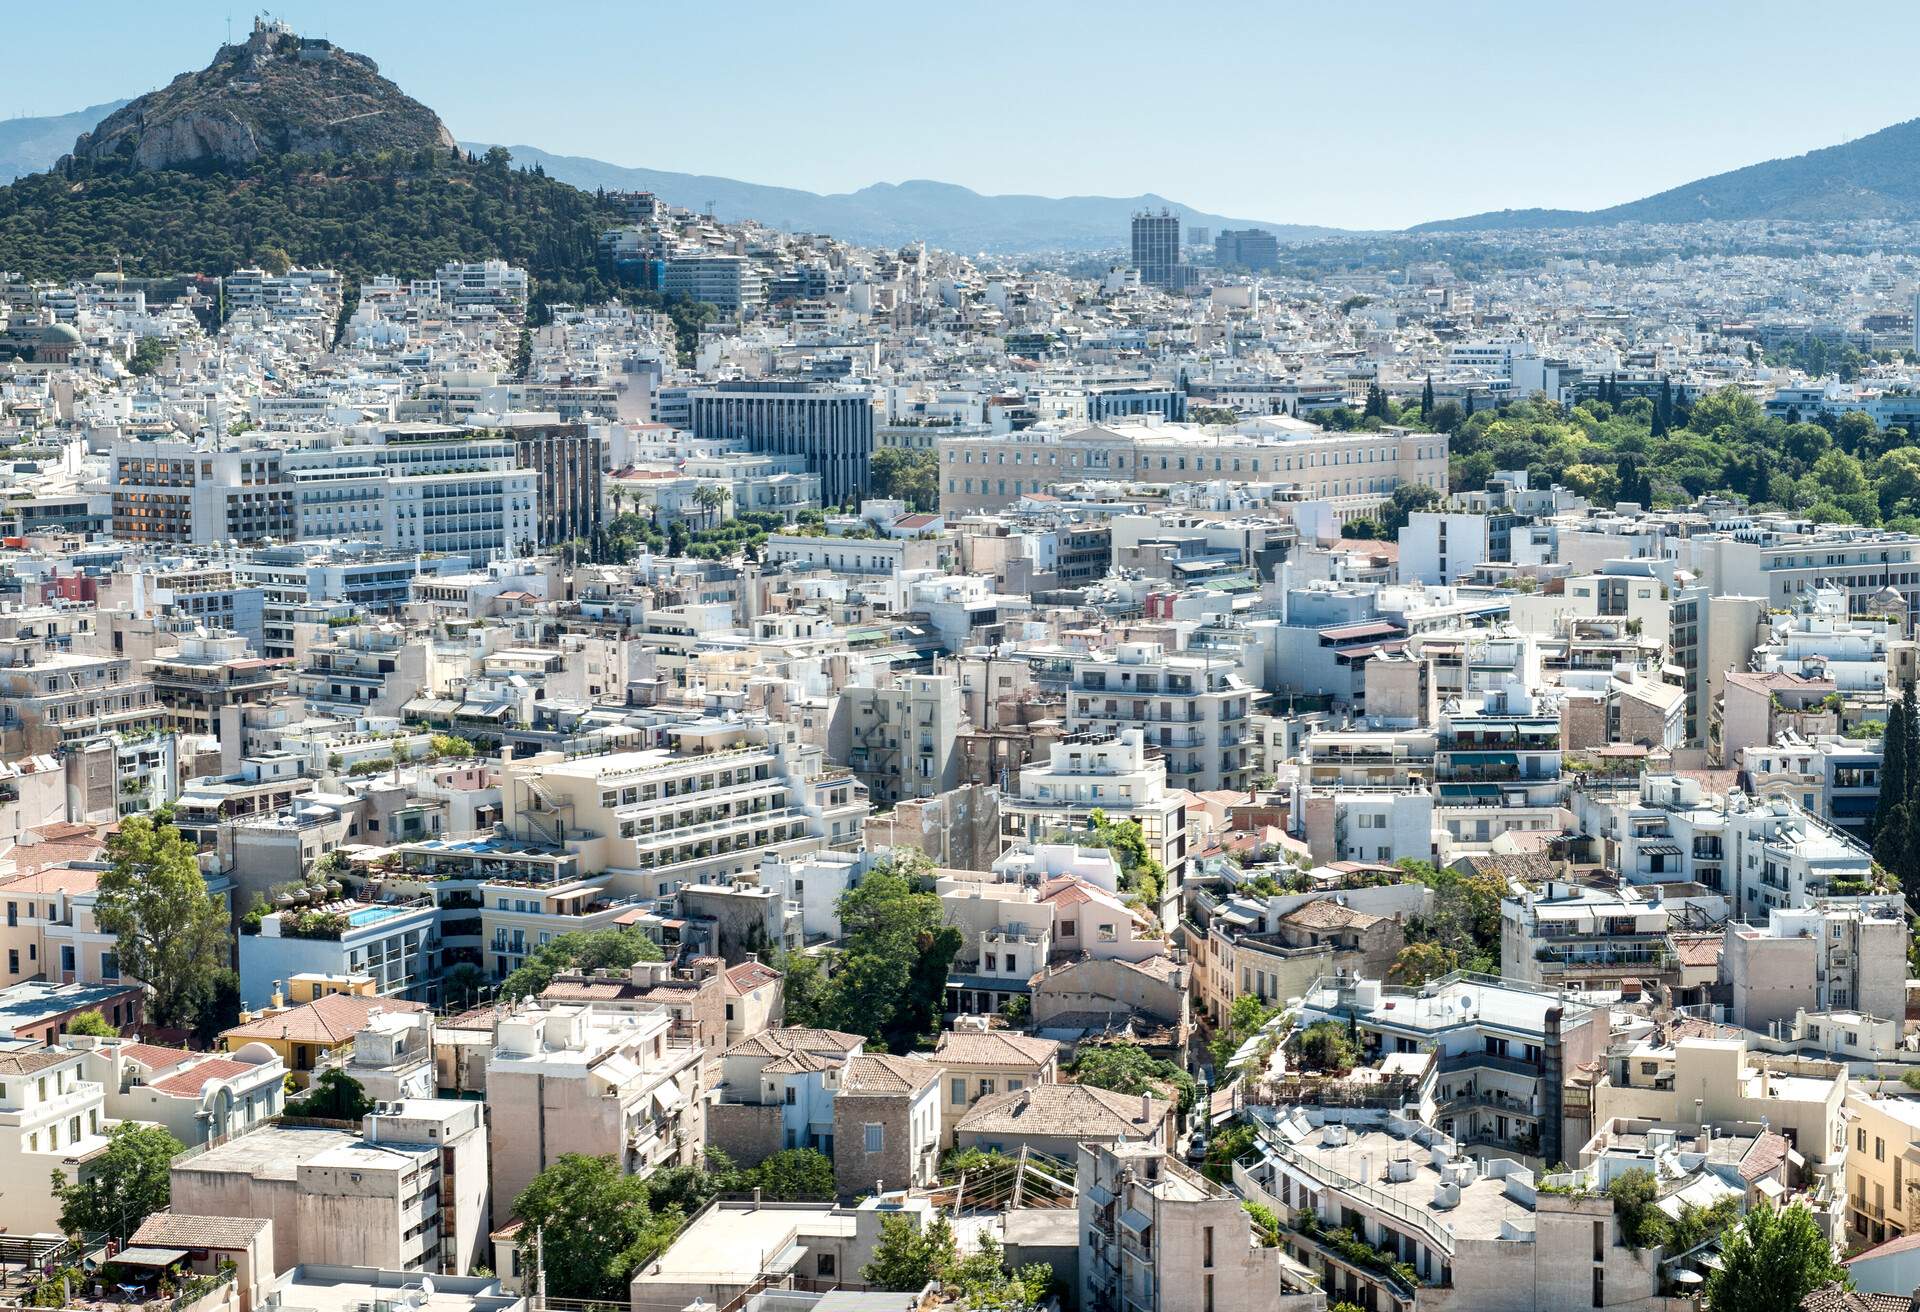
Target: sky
x=1361, y=115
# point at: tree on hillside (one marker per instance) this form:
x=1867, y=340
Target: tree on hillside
x=169, y=932
x=1771, y=1261
x=596, y=1225
x=129, y=1181
x=600, y=949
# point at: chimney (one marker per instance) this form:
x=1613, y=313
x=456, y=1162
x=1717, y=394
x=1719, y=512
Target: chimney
x=1146, y=1109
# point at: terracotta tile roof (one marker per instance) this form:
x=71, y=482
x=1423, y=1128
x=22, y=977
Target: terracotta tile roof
x=796, y=1038
x=881, y=1073
x=1326, y=913
x=33, y=1060
x=1078, y=1111
x=190, y=1082
x=153, y=1056
x=1698, y=949
x=1836, y=1297
x=750, y=975
x=1765, y=1157
x=174, y=1230
x=329, y=1020
x=995, y=1048
x=799, y=1063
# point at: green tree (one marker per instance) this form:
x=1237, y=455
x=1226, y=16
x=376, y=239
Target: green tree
x=1326, y=1047
x=1771, y=1261
x=129, y=1181
x=169, y=932
x=1406, y=499
x=596, y=1225
x=907, y=1259
x=677, y=538
x=909, y=476
x=1128, y=1068
x=985, y=1281
x=600, y=949
x=333, y=1096
x=794, y=1175
x=450, y=745
x=1420, y=962
x=91, y=1022
x=891, y=980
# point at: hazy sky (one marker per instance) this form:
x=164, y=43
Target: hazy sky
x=1362, y=114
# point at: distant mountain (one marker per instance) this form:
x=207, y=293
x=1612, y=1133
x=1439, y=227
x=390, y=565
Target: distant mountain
x=1873, y=177
x=888, y=214
x=31, y=145
x=274, y=94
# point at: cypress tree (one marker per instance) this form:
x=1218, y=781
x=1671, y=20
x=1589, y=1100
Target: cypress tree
x=1895, y=768
x=1426, y=398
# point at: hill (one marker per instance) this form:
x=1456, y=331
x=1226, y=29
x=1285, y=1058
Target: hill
x=889, y=214
x=1872, y=177
x=274, y=94
x=391, y=213
x=30, y=145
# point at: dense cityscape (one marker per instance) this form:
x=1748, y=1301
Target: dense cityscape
x=562, y=750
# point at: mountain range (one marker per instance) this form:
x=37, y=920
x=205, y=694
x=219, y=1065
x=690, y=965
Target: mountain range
x=1872, y=177
x=31, y=145
x=891, y=213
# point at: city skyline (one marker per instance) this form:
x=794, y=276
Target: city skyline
x=1432, y=118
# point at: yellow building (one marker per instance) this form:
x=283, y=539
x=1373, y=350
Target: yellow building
x=319, y=1016
x=1883, y=1166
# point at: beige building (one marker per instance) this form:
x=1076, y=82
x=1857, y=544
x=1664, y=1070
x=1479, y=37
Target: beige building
x=1156, y=1236
x=886, y=1124
x=570, y=1079
x=1062, y=1119
x=1883, y=1166
x=1193, y=708
x=406, y=1193
x=1356, y=472
x=53, y=1120
x=978, y=1063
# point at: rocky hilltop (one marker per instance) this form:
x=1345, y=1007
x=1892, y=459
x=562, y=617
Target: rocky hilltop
x=277, y=93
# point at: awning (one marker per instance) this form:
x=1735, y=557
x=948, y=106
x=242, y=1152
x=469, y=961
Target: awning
x=1469, y=790
x=1659, y=849
x=1100, y=1195
x=667, y=1097
x=1486, y=758
x=1134, y=1220
x=149, y=1256
x=1354, y=632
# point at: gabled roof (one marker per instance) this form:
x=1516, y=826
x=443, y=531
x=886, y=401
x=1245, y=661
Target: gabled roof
x=189, y=1083
x=1078, y=1111
x=750, y=975
x=795, y=1038
x=995, y=1048
x=881, y=1073
x=176, y=1230
x=329, y=1020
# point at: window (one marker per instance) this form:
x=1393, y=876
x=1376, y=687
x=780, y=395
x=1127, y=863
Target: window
x=957, y=1091
x=793, y=1096
x=1206, y=1246
x=986, y=1087
x=823, y=1264
x=1599, y=1286
x=876, y=1136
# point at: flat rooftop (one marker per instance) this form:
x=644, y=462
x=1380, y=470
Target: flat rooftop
x=273, y=1153
x=1484, y=1205
x=730, y=1243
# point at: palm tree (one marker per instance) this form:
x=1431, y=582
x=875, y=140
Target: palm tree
x=710, y=499
x=619, y=499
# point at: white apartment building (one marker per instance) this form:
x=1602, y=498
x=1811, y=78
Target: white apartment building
x=1578, y=936
x=568, y=1079
x=1834, y=778
x=1821, y=640
x=1437, y=547
x=1760, y=855
x=901, y=740
x=658, y=819
x=1193, y=708
x=416, y=487
x=1100, y=772
x=52, y=1119
x=1157, y=1236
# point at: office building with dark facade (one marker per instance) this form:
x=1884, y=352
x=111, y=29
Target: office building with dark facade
x=567, y=502
x=1246, y=248
x=829, y=425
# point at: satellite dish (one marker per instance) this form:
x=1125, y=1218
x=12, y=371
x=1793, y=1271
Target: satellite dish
x=426, y=1286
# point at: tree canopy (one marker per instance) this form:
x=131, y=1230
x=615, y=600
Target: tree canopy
x=169, y=932
x=600, y=949
x=1129, y=1068
x=130, y=1180
x=888, y=981
x=596, y=1225
x=1771, y=1261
